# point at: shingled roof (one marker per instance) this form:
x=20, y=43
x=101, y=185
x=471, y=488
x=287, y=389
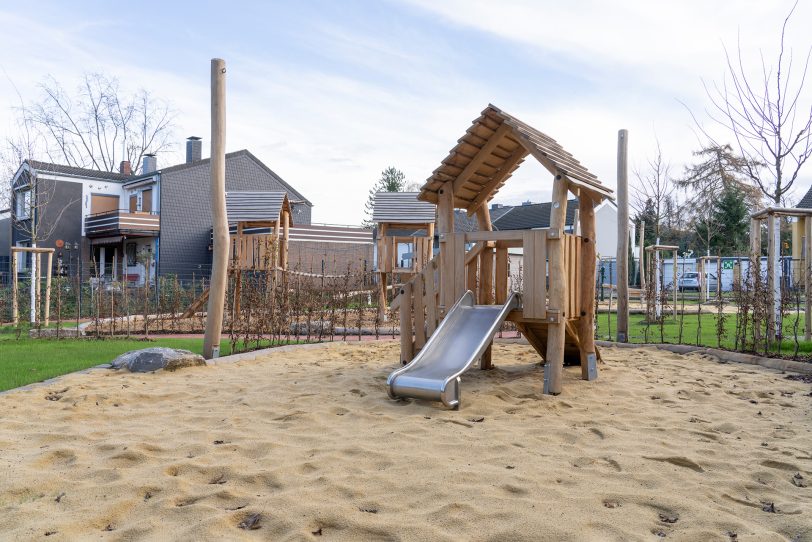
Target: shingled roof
x=402, y=208
x=256, y=206
x=488, y=153
x=79, y=171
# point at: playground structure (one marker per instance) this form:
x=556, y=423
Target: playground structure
x=37, y=279
x=264, y=251
x=655, y=279
x=555, y=310
x=802, y=239
x=402, y=221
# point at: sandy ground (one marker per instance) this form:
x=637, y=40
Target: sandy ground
x=662, y=445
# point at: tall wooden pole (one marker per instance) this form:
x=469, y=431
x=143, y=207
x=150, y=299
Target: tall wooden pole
x=772, y=276
x=622, y=237
x=48, y=289
x=219, y=267
x=642, y=253
x=556, y=330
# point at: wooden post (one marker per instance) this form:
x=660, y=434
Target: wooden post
x=641, y=266
x=719, y=278
x=219, y=268
x=286, y=219
x=486, y=297
x=48, y=289
x=622, y=260
x=37, y=275
x=406, y=344
x=755, y=265
x=445, y=227
x=556, y=331
x=237, y=271
x=586, y=276
x=15, y=309
x=807, y=271
x=674, y=279
x=771, y=276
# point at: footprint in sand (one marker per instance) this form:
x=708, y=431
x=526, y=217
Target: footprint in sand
x=678, y=461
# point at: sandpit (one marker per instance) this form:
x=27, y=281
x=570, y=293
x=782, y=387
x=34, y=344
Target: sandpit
x=661, y=445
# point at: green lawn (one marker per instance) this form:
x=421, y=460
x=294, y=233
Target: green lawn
x=25, y=360
x=692, y=334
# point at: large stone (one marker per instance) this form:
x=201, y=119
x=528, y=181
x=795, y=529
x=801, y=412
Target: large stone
x=159, y=357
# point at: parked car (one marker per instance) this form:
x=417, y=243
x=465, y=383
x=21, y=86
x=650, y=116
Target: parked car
x=690, y=281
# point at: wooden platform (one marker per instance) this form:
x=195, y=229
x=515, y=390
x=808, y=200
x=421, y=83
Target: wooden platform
x=536, y=335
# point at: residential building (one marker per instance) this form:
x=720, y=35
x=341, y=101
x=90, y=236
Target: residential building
x=133, y=225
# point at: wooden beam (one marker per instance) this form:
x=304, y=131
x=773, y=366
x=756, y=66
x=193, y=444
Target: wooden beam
x=484, y=152
x=406, y=329
x=485, y=259
x=48, y=289
x=755, y=265
x=771, y=252
x=15, y=309
x=556, y=332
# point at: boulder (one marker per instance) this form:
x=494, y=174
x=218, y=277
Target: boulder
x=152, y=359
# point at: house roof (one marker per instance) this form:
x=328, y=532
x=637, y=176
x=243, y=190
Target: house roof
x=256, y=206
x=244, y=152
x=516, y=217
x=488, y=153
x=78, y=171
x=806, y=201
x=402, y=208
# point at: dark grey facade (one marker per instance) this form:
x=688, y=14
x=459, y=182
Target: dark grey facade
x=5, y=248
x=186, y=218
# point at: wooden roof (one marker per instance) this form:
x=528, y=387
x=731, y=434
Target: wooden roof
x=256, y=206
x=402, y=208
x=491, y=150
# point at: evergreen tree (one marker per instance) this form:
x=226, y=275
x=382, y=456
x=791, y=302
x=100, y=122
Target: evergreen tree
x=733, y=219
x=392, y=180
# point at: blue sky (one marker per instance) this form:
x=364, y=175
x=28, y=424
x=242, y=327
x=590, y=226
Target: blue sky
x=330, y=93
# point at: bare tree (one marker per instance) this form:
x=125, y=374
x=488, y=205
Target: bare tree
x=764, y=113
x=100, y=125
x=655, y=194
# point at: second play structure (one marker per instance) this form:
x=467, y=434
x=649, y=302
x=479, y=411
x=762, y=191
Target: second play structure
x=450, y=311
x=405, y=238
x=259, y=227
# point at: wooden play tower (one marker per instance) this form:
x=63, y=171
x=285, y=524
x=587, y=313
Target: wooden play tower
x=405, y=239
x=259, y=226
x=558, y=275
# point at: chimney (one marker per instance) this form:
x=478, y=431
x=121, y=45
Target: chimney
x=125, y=168
x=496, y=206
x=149, y=164
x=194, y=149
x=528, y=202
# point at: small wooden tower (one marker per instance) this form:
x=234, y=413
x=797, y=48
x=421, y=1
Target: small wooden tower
x=259, y=226
x=405, y=239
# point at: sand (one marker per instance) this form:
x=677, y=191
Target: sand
x=662, y=445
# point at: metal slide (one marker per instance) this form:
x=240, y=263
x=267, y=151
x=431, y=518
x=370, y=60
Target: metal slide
x=459, y=341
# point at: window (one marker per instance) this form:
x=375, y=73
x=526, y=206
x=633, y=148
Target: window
x=23, y=205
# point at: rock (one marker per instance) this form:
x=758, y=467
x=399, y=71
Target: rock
x=152, y=359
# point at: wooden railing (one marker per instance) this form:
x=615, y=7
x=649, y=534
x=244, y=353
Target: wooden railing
x=479, y=261
x=253, y=252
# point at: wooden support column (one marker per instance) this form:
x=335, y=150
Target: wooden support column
x=807, y=276
x=406, y=329
x=622, y=261
x=772, y=250
x=382, y=304
x=556, y=331
x=586, y=277
x=483, y=216
x=237, y=270
x=445, y=227
x=48, y=288
x=15, y=309
x=755, y=265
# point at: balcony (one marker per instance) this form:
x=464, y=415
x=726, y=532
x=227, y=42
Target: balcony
x=122, y=223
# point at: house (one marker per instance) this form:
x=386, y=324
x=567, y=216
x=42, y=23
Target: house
x=5, y=245
x=134, y=225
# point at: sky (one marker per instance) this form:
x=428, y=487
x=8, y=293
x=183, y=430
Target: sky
x=330, y=93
